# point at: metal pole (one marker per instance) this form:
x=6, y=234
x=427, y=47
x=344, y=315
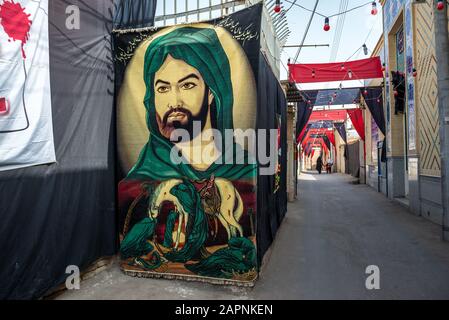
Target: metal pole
x=442, y=56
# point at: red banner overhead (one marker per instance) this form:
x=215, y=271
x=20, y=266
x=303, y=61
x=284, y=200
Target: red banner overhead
x=339, y=115
x=370, y=68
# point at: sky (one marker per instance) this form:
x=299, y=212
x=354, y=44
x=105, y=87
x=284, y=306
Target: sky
x=359, y=24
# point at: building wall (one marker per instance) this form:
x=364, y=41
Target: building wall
x=375, y=176
x=421, y=182
x=340, y=146
x=427, y=91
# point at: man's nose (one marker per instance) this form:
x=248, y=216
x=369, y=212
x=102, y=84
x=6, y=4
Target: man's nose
x=175, y=99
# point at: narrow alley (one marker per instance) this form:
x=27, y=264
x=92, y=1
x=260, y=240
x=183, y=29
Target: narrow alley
x=323, y=248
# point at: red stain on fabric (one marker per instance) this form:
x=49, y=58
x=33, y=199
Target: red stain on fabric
x=15, y=21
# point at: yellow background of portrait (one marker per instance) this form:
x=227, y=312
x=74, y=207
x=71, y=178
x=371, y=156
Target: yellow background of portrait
x=132, y=129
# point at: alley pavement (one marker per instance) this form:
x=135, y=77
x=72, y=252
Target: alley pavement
x=330, y=236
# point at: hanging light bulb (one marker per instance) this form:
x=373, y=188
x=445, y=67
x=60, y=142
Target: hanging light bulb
x=342, y=67
x=277, y=7
x=313, y=73
x=395, y=92
x=350, y=74
x=440, y=5
x=378, y=100
x=335, y=94
x=365, y=49
x=415, y=72
x=365, y=92
x=383, y=67
x=374, y=8
x=327, y=27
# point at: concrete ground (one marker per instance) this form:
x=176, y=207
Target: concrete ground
x=330, y=236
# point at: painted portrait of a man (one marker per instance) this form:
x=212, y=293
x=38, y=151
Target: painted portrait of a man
x=195, y=217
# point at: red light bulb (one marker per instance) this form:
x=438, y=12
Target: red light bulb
x=327, y=27
x=374, y=9
x=277, y=8
x=440, y=5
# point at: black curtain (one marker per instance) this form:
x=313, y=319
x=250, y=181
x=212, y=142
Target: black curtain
x=134, y=14
x=64, y=214
x=337, y=96
x=304, y=110
x=353, y=160
x=342, y=131
x=271, y=207
x=327, y=142
x=374, y=101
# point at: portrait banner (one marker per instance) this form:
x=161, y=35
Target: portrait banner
x=186, y=99
x=26, y=131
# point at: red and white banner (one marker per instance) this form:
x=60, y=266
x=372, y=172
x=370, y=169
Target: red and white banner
x=26, y=131
x=370, y=68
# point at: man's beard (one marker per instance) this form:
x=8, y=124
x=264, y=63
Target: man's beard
x=166, y=127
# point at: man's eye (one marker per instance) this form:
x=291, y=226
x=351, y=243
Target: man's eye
x=188, y=86
x=163, y=89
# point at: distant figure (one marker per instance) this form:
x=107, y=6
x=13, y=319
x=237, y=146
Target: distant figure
x=319, y=164
x=329, y=165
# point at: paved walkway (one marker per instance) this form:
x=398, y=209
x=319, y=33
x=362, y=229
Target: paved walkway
x=329, y=237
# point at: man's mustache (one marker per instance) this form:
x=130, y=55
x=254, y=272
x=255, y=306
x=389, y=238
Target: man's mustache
x=176, y=110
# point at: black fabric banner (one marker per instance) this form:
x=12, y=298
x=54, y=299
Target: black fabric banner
x=327, y=142
x=337, y=96
x=353, y=159
x=272, y=206
x=64, y=214
x=341, y=128
x=304, y=110
x=134, y=13
x=374, y=101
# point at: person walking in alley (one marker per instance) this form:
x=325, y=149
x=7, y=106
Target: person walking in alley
x=319, y=164
x=329, y=165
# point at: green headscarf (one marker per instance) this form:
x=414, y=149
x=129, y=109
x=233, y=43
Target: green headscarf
x=201, y=49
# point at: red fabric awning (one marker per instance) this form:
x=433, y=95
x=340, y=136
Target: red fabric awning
x=370, y=68
x=356, y=116
x=329, y=115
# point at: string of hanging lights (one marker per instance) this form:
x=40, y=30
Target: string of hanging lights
x=349, y=74
x=374, y=10
x=327, y=26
